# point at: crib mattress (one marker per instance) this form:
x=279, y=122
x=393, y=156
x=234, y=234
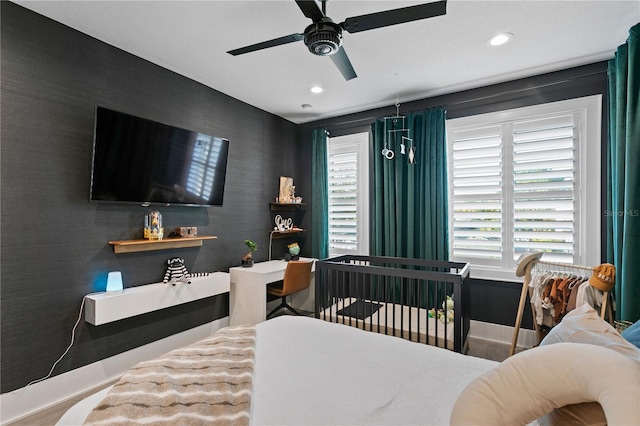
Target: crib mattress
x=410, y=323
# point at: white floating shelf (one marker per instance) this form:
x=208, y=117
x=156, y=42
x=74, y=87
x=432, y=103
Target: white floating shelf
x=102, y=308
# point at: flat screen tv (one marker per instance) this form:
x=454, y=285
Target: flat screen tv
x=136, y=160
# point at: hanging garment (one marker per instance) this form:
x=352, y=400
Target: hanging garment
x=593, y=297
x=538, y=279
x=573, y=288
x=580, y=295
x=548, y=308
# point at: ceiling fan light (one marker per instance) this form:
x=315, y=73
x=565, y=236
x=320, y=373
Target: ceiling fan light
x=323, y=38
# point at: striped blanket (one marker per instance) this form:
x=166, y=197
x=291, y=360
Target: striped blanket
x=209, y=382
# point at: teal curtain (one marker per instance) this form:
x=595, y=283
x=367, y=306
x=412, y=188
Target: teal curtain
x=409, y=216
x=320, y=198
x=623, y=216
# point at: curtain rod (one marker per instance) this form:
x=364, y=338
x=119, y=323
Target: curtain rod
x=375, y=113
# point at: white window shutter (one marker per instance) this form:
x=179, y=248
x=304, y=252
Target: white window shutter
x=348, y=193
x=525, y=180
x=343, y=199
x=477, y=183
x=544, y=187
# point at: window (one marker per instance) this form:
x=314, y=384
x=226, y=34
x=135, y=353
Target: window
x=348, y=179
x=525, y=180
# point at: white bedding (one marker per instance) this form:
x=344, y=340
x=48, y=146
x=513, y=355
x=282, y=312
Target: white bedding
x=309, y=371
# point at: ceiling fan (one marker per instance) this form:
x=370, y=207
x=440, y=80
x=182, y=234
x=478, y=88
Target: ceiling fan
x=324, y=37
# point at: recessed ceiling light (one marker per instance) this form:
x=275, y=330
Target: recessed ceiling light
x=316, y=89
x=500, y=39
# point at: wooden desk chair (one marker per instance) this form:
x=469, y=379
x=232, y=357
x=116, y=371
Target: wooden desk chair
x=297, y=277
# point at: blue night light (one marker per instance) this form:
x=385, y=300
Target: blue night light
x=114, y=282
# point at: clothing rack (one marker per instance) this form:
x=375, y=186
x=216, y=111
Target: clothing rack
x=525, y=266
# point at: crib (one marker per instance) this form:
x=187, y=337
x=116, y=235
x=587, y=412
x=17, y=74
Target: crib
x=396, y=296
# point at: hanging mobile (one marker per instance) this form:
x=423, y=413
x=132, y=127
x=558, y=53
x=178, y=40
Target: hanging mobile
x=397, y=121
x=386, y=152
x=412, y=150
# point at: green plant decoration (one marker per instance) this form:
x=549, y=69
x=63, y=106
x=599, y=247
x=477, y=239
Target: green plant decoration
x=252, y=246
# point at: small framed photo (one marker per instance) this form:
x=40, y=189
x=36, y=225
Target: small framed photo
x=286, y=190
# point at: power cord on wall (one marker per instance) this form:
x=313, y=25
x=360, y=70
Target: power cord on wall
x=73, y=334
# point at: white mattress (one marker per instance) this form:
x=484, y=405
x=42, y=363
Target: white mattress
x=419, y=329
x=309, y=371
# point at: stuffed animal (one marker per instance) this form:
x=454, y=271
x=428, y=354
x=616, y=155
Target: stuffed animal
x=177, y=272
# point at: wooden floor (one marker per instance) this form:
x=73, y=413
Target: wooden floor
x=477, y=347
x=50, y=416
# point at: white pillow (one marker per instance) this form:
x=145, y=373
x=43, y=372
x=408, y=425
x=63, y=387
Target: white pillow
x=530, y=384
x=584, y=325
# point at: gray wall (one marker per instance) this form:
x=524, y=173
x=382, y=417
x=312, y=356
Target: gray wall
x=54, y=241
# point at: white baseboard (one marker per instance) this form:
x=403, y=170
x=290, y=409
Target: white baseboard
x=42, y=395
x=501, y=333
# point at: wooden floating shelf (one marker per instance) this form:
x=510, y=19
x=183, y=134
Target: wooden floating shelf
x=286, y=206
x=132, y=246
x=283, y=234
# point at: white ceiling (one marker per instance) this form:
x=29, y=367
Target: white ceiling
x=407, y=62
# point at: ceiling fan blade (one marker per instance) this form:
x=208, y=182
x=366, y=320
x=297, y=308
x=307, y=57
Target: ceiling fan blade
x=342, y=62
x=395, y=16
x=266, y=44
x=310, y=9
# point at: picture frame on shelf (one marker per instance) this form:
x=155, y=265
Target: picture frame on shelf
x=286, y=193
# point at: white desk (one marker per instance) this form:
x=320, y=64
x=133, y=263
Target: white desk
x=248, y=293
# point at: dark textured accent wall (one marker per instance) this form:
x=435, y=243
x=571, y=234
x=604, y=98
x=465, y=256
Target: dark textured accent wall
x=54, y=241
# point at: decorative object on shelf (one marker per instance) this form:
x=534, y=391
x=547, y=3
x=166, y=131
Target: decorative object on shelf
x=283, y=224
x=153, y=229
x=294, y=251
x=285, y=227
x=186, y=231
x=114, y=282
x=287, y=190
x=247, y=260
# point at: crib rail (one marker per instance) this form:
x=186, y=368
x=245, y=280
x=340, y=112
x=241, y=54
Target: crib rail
x=396, y=296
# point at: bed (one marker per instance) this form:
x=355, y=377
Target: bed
x=309, y=371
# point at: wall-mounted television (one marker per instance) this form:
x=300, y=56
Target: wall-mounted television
x=136, y=160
